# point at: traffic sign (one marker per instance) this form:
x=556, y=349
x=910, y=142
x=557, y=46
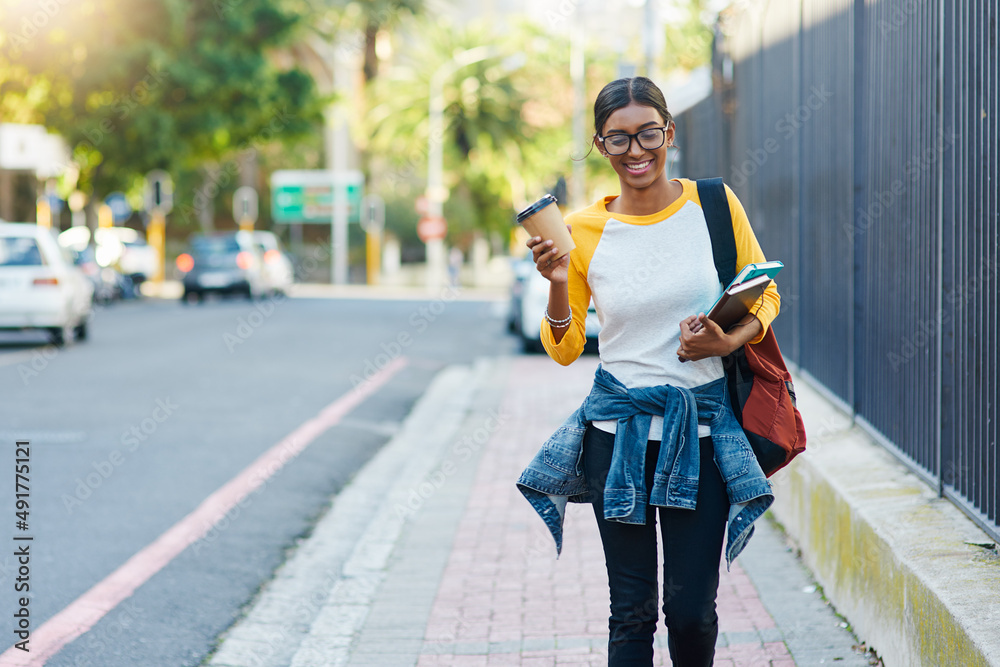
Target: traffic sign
x=120, y=208
x=55, y=203
x=431, y=229
x=245, y=204
x=76, y=200
x=159, y=195
x=306, y=195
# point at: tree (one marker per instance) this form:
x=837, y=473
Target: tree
x=134, y=86
x=689, y=34
x=379, y=15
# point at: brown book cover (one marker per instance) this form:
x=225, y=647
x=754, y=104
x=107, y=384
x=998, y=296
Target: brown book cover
x=736, y=302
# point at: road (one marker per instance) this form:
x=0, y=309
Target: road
x=133, y=429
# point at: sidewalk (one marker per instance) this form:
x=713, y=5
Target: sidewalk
x=432, y=558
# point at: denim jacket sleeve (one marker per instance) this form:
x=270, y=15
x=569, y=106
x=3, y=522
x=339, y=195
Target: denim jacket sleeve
x=555, y=475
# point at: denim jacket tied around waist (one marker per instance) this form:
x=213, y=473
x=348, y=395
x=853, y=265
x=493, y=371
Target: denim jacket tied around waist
x=555, y=476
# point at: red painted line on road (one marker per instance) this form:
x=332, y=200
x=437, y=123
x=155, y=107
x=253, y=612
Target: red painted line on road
x=84, y=612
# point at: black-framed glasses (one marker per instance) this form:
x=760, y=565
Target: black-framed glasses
x=650, y=139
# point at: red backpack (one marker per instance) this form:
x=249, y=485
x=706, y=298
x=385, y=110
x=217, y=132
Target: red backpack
x=760, y=386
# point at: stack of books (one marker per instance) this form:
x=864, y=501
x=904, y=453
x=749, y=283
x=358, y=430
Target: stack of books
x=741, y=295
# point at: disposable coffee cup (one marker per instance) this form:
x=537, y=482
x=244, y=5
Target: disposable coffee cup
x=544, y=219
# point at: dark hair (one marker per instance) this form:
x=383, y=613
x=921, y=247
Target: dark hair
x=622, y=92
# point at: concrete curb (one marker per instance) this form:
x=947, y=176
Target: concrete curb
x=895, y=559
x=320, y=597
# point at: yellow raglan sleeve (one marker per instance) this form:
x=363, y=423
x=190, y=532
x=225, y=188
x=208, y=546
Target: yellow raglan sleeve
x=571, y=346
x=748, y=252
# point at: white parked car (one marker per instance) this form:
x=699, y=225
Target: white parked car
x=125, y=247
x=529, y=297
x=40, y=288
x=277, y=273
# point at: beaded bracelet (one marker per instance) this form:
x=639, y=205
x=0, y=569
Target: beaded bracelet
x=559, y=323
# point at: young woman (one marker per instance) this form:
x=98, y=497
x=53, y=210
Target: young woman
x=659, y=441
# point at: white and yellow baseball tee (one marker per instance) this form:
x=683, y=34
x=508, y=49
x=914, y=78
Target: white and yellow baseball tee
x=645, y=274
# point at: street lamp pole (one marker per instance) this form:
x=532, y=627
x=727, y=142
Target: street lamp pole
x=334, y=69
x=436, y=192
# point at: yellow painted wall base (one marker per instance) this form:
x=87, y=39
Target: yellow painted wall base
x=897, y=561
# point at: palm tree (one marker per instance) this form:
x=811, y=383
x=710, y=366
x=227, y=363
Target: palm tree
x=376, y=16
x=506, y=120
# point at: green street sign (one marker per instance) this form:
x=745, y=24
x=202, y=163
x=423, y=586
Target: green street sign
x=307, y=196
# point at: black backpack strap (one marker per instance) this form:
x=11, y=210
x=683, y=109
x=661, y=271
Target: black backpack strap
x=715, y=205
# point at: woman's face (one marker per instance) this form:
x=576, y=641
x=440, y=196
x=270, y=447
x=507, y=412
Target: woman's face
x=638, y=167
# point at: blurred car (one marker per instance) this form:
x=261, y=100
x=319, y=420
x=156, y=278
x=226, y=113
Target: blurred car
x=529, y=297
x=40, y=288
x=109, y=284
x=277, y=273
x=226, y=264
x=125, y=248
x=521, y=268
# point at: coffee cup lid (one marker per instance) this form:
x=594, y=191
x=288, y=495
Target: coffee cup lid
x=535, y=208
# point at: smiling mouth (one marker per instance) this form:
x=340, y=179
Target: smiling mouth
x=638, y=167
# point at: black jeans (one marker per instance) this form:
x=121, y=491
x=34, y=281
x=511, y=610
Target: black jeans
x=692, y=545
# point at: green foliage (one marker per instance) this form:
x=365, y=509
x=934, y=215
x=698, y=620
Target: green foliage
x=180, y=85
x=134, y=86
x=370, y=17
x=689, y=35
x=401, y=219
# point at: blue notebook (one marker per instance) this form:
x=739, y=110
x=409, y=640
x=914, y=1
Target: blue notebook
x=751, y=271
x=746, y=288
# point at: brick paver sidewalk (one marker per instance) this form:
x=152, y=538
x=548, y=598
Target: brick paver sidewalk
x=504, y=598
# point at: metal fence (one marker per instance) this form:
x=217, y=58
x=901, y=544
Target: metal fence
x=861, y=137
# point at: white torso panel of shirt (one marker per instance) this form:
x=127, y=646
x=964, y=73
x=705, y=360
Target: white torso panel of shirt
x=645, y=279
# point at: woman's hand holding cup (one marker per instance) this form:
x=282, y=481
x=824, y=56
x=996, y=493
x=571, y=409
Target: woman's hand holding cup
x=551, y=241
x=544, y=254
